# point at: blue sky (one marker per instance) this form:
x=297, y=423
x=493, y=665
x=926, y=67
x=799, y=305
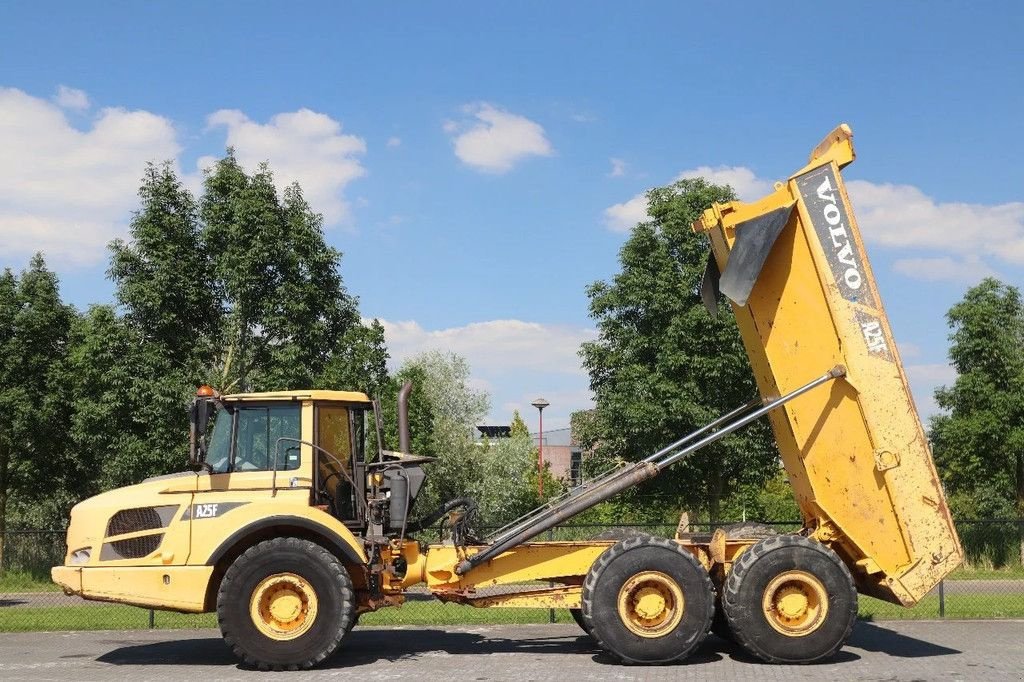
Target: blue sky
x=478, y=164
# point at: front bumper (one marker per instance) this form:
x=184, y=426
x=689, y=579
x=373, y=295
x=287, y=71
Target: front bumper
x=174, y=588
x=68, y=577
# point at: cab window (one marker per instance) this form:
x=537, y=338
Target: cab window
x=258, y=430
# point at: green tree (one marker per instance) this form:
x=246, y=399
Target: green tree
x=129, y=404
x=979, y=441
x=286, y=311
x=359, y=361
x=507, y=478
x=662, y=366
x=163, y=276
x=239, y=289
x=34, y=328
x=518, y=427
x=444, y=409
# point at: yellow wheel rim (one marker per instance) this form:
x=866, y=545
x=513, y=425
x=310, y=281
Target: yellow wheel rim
x=795, y=603
x=651, y=604
x=283, y=606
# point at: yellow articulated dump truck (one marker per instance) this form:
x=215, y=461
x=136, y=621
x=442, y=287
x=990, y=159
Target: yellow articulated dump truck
x=289, y=528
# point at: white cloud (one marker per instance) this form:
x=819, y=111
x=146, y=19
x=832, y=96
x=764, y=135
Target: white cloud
x=394, y=142
x=744, y=182
x=622, y=217
x=301, y=146
x=65, y=191
x=618, y=168
x=563, y=401
x=515, y=361
x=495, y=345
x=963, y=239
x=967, y=270
x=496, y=140
x=71, y=98
x=903, y=216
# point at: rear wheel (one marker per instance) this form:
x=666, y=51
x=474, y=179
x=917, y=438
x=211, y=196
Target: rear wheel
x=647, y=601
x=617, y=534
x=285, y=603
x=789, y=599
x=737, y=531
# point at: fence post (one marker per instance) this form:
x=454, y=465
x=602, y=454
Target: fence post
x=551, y=612
x=942, y=599
x=152, y=615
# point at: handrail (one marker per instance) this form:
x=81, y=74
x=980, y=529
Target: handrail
x=318, y=449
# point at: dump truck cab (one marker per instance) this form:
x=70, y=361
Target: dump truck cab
x=314, y=441
x=278, y=464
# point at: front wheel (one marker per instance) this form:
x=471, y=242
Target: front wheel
x=789, y=599
x=648, y=601
x=285, y=603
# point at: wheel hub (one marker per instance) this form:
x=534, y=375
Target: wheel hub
x=651, y=604
x=795, y=603
x=283, y=606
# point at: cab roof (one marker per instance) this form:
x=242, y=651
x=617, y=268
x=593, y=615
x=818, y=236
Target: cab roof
x=333, y=396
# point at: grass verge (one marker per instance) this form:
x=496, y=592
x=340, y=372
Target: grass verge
x=23, y=581
x=114, y=617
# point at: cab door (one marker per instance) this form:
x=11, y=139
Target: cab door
x=340, y=477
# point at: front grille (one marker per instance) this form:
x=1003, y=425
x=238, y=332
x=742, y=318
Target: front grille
x=132, y=548
x=140, y=518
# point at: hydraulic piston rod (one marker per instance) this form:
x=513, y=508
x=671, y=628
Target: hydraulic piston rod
x=527, y=519
x=615, y=482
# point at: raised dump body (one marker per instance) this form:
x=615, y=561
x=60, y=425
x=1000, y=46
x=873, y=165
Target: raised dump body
x=794, y=266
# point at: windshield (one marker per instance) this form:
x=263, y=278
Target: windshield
x=218, y=452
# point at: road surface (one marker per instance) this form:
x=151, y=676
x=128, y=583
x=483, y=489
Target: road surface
x=891, y=651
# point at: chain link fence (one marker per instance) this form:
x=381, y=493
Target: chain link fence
x=989, y=585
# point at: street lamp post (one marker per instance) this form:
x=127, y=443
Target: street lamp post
x=540, y=404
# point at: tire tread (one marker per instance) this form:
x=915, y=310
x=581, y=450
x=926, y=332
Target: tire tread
x=731, y=596
x=296, y=546
x=615, y=551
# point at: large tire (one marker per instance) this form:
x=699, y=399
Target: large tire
x=745, y=530
x=648, y=601
x=789, y=599
x=285, y=603
x=618, y=534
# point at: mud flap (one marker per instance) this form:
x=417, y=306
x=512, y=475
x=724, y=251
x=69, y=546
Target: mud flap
x=754, y=241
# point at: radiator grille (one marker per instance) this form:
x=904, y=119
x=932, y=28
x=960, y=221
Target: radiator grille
x=132, y=548
x=140, y=518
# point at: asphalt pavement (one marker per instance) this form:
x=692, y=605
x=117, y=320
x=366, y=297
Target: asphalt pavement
x=891, y=651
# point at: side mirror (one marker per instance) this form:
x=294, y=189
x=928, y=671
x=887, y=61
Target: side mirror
x=202, y=417
x=199, y=416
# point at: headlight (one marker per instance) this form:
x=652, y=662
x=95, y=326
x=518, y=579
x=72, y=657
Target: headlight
x=81, y=556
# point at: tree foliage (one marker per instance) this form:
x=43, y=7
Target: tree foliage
x=979, y=441
x=662, y=366
x=36, y=465
x=237, y=288
x=443, y=411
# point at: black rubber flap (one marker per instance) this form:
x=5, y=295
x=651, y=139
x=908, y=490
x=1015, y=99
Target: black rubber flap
x=754, y=241
x=709, y=285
